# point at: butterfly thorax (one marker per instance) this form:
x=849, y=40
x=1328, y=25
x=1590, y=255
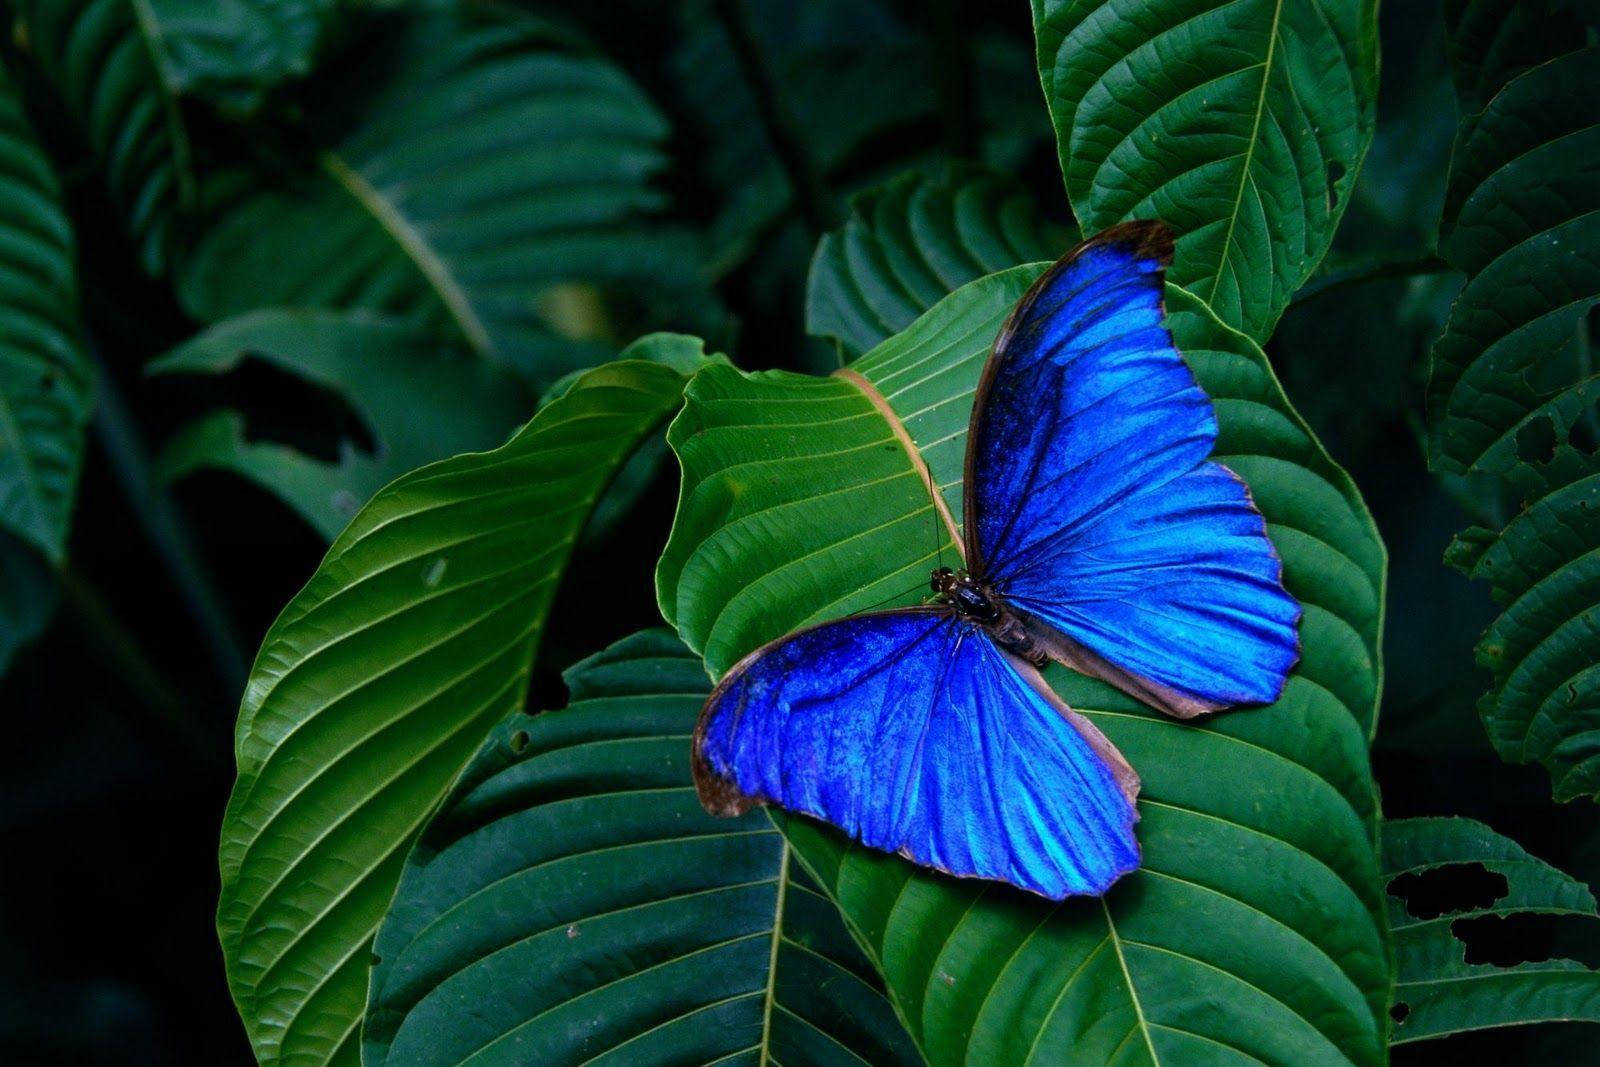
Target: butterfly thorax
x=977, y=602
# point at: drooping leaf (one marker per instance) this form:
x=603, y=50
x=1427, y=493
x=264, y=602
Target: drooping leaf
x=1256, y=924
x=1513, y=399
x=28, y=596
x=44, y=373
x=419, y=398
x=233, y=52
x=571, y=902
x=498, y=180
x=1438, y=992
x=379, y=681
x=1240, y=125
x=907, y=244
x=100, y=58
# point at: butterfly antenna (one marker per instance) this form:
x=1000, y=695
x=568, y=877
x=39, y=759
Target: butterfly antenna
x=933, y=514
x=896, y=596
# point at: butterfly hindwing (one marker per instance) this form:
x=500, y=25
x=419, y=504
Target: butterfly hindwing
x=914, y=733
x=1092, y=506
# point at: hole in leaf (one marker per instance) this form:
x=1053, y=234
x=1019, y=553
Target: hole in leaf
x=1399, y=1010
x=47, y=380
x=1336, y=171
x=1507, y=940
x=284, y=408
x=1585, y=432
x=519, y=741
x=1536, y=441
x=1452, y=888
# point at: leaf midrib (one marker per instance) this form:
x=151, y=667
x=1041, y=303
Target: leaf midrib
x=1249, y=151
x=415, y=247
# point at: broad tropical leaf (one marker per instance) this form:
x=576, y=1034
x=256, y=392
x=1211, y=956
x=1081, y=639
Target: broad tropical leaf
x=420, y=399
x=1241, y=125
x=1438, y=992
x=1512, y=398
x=233, y=53
x=100, y=57
x=570, y=902
x=1256, y=924
x=380, y=680
x=28, y=596
x=498, y=176
x=44, y=374
x=908, y=243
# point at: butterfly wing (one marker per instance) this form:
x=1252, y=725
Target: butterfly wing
x=914, y=733
x=1092, y=507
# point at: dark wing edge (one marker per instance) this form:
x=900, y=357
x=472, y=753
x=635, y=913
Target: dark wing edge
x=1145, y=239
x=718, y=794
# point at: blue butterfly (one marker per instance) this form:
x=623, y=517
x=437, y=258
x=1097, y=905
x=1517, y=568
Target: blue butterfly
x=1097, y=534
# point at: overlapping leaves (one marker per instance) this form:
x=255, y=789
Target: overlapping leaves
x=480, y=170
x=1513, y=398
x=423, y=400
x=910, y=242
x=380, y=680
x=1242, y=125
x=572, y=902
x=1256, y=925
x=1437, y=991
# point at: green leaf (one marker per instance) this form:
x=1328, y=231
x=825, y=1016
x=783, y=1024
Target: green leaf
x=1257, y=921
x=571, y=901
x=1241, y=125
x=497, y=179
x=908, y=243
x=420, y=400
x=1512, y=400
x=1438, y=992
x=103, y=58
x=28, y=596
x=1492, y=41
x=232, y=53
x=377, y=684
x=44, y=373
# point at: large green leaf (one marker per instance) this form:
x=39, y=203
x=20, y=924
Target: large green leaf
x=1256, y=924
x=1512, y=400
x=44, y=374
x=379, y=681
x=571, y=902
x=234, y=51
x=1492, y=41
x=1242, y=125
x=908, y=243
x=479, y=169
x=420, y=400
x=104, y=60
x=1438, y=992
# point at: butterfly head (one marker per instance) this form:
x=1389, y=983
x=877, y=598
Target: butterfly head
x=971, y=598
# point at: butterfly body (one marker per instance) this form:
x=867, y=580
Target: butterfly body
x=977, y=602
x=1097, y=533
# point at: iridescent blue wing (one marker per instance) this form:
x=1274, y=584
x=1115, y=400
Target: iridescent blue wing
x=914, y=733
x=1091, y=505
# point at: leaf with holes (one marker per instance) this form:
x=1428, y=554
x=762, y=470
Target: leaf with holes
x=908, y=243
x=1438, y=992
x=1513, y=399
x=570, y=901
x=98, y=57
x=1256, y=923
x=44, y=373
x=377, y=684
x=497, y=182
x=420, y=398
x=1240, y=125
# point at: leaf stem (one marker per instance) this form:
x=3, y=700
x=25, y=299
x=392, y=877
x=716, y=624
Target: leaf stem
x=163, y=523
x=805, y=179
